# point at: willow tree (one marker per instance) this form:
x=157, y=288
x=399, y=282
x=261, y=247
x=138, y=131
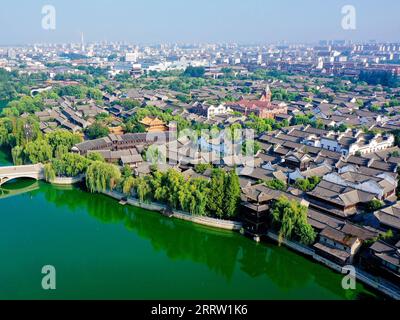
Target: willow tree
x=95, y=156
x=25, y=130
x=16, y=154
x=127, y=185
x=143, y=189
x=49, y=172
x=38, y=151
x=172, y=188
x=62, y=141
x=60, y=151
x=159, y=186
x=101, y=176
x=70, y=165
x=291, y=218
x=5, y=130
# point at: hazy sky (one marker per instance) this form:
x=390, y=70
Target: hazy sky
x=155, y=21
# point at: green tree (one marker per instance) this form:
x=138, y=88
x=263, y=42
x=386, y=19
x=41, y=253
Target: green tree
x=49, y=172
x=251, y=147
x=374, y=205
x=276, y=184
x=70, y=165
x=95, y=156
x=38, y=151
x=126, y=171
x=202, y=167
x=62, y=141
x=232, y=194
x=143, y=189
x=17, y=155
x=217, y=193
x=196, y=72
x=307, y=184
x=101, y=176
x=128, y=184
x=291, y=219
x=60, y=151
x=97, y=130
x=387, y=235
x=200, y=194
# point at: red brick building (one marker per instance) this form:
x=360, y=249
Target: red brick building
x=263, y=108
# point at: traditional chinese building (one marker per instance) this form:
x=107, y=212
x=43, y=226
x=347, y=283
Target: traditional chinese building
x=154, y=125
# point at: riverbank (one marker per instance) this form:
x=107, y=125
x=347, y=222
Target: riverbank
x=65, y=181
x=205, y=221
x=378, y=284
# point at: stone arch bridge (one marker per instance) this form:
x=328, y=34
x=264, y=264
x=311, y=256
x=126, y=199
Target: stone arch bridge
x=35, y=171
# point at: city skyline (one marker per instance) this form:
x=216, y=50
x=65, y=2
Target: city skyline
x=176, y=21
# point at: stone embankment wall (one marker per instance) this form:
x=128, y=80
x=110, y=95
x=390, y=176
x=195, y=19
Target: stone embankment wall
x=205, y=221
x=68, y=181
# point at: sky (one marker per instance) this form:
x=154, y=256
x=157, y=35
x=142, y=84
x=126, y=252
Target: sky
x=198, y=21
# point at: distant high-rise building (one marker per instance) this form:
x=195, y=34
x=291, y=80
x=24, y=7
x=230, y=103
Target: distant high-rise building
x=11, y=54
x=82, y=43
x=320, y=64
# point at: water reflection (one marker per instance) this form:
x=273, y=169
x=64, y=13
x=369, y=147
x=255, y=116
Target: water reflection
x=18, y=187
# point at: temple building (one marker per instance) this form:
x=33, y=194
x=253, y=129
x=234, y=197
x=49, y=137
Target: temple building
x=263, y=108
x=154, y=125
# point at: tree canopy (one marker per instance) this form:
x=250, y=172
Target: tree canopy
x=101, y=176
x=195, y=72
x=290, y=217
x=97, y=130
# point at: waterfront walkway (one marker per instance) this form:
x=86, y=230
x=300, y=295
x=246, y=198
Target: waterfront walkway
x=16, y=172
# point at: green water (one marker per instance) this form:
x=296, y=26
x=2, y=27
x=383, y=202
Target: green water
x=103, y=250
x=5, y=158
x=3, y=103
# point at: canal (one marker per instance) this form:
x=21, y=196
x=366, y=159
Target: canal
x=103, y=250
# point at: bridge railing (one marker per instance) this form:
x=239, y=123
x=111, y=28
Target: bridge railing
x=34, y=168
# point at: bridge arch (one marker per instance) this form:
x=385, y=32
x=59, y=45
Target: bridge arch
x=35, y=172
x=4, y=180
x=36, y=91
